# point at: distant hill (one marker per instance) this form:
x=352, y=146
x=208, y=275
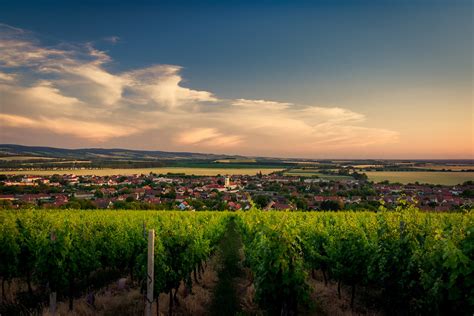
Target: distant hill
x=13, y=157
x=19, y=156
x=10, y=150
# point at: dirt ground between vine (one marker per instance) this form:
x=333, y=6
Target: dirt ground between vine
x=327, y=302
x=118, y=299
x=124, y=298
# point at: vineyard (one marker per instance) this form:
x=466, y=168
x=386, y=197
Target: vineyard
x=70, y=251
x=418, y=263
x=423, y=263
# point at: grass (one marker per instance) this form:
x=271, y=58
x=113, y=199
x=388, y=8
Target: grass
x=432, y=177
x=164, y=170
x=226, y=301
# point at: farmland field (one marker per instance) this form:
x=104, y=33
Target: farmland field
x=315, y=173
x=164, y=170
x=236, y=161
x=432, y=177
x=367, y=166
x=447, y=167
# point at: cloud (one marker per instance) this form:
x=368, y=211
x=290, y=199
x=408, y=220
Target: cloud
x=160, y=84
x=207, y=136
x=45, y=92
x=16, y=120
x=101, y=131
x=112, y=39
x=261, y=104
x=66, y=126
x=69, y=91
x=7, y=77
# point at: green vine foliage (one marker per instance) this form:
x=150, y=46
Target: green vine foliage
x=66, y=251
x=423, y=263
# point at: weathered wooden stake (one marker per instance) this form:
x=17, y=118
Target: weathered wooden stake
x=150, y=272
x=52, y=295
x=52, y=303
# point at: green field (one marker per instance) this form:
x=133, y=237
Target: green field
x=446, y=167
x=433, y=177
x=315, y=173
x=165, y=170
x=236, y=161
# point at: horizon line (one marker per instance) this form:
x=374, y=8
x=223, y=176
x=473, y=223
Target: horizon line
x=241, y=155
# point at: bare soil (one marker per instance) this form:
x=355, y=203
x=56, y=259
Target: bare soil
x=326, y=300
x=124, y=298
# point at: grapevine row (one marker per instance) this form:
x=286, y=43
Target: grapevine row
x=422, y=263
x=71, y=251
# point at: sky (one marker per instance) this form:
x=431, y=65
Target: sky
x=311, y=79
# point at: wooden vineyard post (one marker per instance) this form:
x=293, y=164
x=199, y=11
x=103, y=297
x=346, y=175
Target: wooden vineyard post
x=52, y=295
x=150, y=272
x=52, y=303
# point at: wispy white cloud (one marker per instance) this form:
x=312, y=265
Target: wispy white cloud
x=101, y=131
x=69, y=90
x=112, y=39
x=161, y=84
x=207, y=137
x=7, y=77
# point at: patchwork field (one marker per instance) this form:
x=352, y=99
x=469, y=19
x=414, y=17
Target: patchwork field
x=367, y=166
x=447, y=167
x=187, y=171
x=236, y=161
x=445, y=178
x=315, y=173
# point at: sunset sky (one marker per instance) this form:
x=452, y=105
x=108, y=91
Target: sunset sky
x=315, y=79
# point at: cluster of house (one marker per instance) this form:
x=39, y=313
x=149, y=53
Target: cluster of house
x=440, y=198
x=233, y=192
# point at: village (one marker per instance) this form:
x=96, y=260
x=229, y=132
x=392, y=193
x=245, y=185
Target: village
x=233, y=193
